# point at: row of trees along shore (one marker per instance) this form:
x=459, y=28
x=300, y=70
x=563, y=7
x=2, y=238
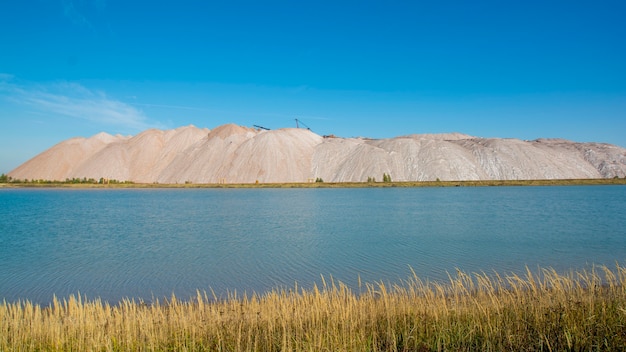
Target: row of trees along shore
x=8, y=179
x=5, y=179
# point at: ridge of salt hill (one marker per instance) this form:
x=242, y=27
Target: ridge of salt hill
x=236, y=154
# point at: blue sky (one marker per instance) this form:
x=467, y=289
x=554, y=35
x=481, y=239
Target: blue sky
x=514, y=69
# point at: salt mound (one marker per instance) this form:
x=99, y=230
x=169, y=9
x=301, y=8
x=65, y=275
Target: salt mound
x=440, y=136
x=60, y=161
x=236, y=154
x=228, y=130
x=241, y=155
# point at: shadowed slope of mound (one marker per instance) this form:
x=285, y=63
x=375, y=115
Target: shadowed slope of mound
x=514, y=159
x=608, y=160
x=461, y=157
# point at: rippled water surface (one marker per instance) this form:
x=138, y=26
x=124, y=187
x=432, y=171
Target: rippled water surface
x=148, y=244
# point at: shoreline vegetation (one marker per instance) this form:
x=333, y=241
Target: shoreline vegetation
x=91, y=183
x=536, y=311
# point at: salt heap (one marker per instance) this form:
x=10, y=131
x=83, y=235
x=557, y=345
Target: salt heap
x=236, y=154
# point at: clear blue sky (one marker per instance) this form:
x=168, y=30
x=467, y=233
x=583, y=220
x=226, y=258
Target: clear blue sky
x=515, y=69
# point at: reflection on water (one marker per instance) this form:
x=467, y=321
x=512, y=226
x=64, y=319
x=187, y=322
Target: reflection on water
x=149, y=244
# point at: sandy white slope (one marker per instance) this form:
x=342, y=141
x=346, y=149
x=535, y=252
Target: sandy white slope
x=236, y=154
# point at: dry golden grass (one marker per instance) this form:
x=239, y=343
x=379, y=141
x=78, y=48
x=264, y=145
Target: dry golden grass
x=489, y=312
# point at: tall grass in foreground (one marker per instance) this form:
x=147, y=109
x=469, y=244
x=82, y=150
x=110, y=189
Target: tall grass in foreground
x=537, y=311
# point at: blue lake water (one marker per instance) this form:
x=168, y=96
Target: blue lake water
x=150, y=243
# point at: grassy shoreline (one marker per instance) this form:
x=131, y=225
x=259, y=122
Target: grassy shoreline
x=408, y=184
x=536, y=311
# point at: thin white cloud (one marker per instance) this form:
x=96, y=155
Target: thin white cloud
x=179, y=107
x=76, y=101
